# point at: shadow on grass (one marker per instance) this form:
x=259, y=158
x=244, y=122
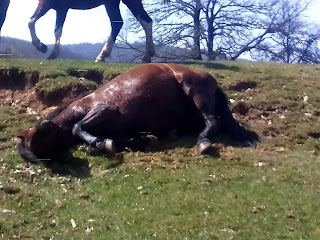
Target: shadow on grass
x=66, y=164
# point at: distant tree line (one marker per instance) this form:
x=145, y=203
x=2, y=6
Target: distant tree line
x=275, y=30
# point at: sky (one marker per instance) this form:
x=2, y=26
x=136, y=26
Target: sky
x=80, y=26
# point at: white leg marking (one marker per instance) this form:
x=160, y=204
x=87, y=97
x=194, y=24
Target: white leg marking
x=147, y=27
x=56, y=50
x=33, y=30
x=106, y=50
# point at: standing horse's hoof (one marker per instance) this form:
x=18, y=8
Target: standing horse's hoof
x=99, y=59
x=52, y=56
x=42, y=48
x=204, y=146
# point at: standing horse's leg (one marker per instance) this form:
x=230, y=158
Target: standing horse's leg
x=3, y=11
x=97, y=115
x=142, y=16
x=40, y=11
x=113, y=11
x=61, y=17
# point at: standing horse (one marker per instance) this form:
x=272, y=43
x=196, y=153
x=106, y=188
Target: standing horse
x=4, y=4
x=112, y=7
x=154, y=98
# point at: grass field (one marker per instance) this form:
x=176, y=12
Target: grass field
x=271, y=192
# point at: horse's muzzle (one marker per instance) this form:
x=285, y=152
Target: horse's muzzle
x=26, y=154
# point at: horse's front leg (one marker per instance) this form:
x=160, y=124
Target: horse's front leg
x=113, y=12
x=40, y=11
x=104, y=144
x=98, y=115
x=204, y=100
x=211, y=127
x=61, y=17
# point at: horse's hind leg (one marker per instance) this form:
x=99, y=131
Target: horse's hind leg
x=113, y=11
x=96, y=116
x=146, y=22
x=61, y=17
x=40, y=11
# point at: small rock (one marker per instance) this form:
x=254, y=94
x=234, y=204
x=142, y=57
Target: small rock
x=73, y=223
x=58, y=203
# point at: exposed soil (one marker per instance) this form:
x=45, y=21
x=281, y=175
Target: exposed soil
x=240, y=108
x=243, y=86
x=93, y=75
x=18, y=90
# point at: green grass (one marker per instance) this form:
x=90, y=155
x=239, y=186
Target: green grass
x=57, y=68
x=271, y=192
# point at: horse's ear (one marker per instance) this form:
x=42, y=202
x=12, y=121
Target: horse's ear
x=22, y=135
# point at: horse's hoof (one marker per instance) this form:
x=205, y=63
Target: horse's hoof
x=204, y=146
x=109, y=146
x=98, y=59
x=52, y=56
x=43, y=48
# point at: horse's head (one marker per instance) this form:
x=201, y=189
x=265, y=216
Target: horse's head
x=40, y=142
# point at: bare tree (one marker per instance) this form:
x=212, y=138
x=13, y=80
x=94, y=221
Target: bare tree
x=294, y=39
x=269, y=30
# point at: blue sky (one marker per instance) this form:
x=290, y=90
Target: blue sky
x=80, y=26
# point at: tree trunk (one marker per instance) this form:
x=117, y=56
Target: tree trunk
x=197, y=31
x=211, y=53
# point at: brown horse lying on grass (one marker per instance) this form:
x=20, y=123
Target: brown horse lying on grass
x=152, y=98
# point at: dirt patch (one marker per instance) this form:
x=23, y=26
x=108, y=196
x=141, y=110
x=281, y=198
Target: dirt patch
x=240, y=108
x=243, y=86
x=92, y=75
x=15, y=79
x=270, y=132
x=18, y=91
x=66, y=94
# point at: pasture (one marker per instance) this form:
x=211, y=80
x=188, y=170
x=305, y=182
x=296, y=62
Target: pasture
x=271, y=192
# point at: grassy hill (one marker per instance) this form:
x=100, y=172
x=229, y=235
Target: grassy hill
x=271, y=192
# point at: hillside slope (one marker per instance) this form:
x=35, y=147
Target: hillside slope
x=271, y=192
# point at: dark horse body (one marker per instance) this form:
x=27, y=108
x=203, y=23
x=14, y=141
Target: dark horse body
x=112, y=8
x=155, y=98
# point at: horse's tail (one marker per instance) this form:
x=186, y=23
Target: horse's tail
x=229, y=124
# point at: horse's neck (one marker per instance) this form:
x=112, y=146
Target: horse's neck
x=67, y=118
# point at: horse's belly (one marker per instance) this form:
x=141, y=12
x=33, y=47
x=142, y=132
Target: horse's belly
x=79, y=4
